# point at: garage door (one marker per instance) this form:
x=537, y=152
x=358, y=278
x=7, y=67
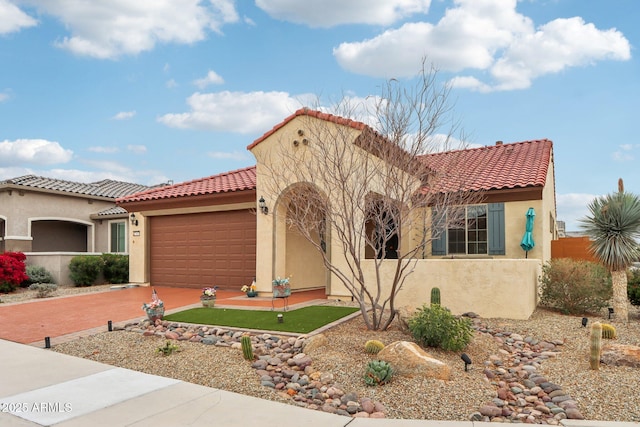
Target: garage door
x=205, y=249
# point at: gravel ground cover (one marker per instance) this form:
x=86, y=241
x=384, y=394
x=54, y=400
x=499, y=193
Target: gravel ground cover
x=607, y=394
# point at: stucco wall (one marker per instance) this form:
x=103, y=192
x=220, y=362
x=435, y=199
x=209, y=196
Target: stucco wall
x=22, y=207
x=57, y=263
x=500, y=288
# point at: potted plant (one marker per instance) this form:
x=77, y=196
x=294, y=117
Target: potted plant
x=208, y=297
x=250, y=290
x=154, y=309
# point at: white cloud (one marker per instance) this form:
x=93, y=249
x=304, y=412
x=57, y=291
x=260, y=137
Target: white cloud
x=138, y=149
x=572, y=207
x=33, y=151
x=4, y=96
x=13, y=19
x=328, y=13
x=171, y=83
x=241, y=112
x=211, y=78
x=106, y=150
x=124, y=115
x=487, y=36
x=624, y=154
x=236, y=155
x=107, y=29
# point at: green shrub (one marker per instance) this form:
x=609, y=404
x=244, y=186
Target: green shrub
x=633, y=286
x=116, y=268
x=378, y=372
x=575, y=287
x=43, y=290
x=37, y=274
x=85, y=269
x=435, y=326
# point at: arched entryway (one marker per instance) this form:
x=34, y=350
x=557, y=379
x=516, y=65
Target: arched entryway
x=301, y=238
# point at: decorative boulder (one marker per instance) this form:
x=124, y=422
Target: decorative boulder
x=313, y=342
x=621, y=355
x=408, y=359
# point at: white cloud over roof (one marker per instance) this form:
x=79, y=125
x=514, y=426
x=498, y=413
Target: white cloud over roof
x=241, y=112
x=486, y=36
x=33, y=151
x=329, y=13
x=13, y=19
x=107, y=29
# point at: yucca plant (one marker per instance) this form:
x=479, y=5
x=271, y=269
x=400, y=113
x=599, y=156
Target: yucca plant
x=614, y=227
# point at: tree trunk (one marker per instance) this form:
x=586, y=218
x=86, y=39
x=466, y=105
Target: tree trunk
x=620, y=299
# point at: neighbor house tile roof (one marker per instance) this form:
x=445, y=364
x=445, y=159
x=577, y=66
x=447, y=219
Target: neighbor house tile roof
x=105, y=188
x=238, y=180
x=310, y=113
x=496, y=167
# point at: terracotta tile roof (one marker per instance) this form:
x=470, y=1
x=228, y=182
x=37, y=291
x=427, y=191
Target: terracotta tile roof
x=238, y=180
x=495, y=167
x=311, y=113
x=105, y=188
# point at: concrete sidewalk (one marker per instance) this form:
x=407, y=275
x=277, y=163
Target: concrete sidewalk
x=40, y=387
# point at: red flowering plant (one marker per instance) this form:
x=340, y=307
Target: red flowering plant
x=12, y=271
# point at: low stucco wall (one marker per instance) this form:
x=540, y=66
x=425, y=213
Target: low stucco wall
x=492, y=288
x=57, y=263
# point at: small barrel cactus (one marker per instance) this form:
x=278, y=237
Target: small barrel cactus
x=435, y=296
x=608, y=331
x=373, y=346
x=247, y=349
x=596, y=345
x=378, y=372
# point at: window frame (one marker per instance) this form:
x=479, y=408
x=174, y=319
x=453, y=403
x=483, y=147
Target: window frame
x=125, y=242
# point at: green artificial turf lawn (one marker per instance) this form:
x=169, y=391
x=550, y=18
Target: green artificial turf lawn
x=302, y=320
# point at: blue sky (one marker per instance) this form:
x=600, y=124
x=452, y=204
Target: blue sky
x=153, y=90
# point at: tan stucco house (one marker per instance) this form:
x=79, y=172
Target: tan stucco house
x=52, y=220
x=228, y=228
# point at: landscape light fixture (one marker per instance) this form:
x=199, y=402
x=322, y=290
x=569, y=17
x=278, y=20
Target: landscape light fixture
x=467, y=361
x=280, y=318
x=134, y=221
x=584, y=322
x=263, y=206
x=610, y=312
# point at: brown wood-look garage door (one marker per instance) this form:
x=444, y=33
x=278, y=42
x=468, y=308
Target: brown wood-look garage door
x=204, y=249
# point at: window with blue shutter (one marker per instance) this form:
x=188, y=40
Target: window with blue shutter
x=496, y=229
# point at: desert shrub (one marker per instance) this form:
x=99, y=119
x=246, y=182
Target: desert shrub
x=85, y=269
x=575, y=287
x=435, y=326
x=43, y=290
x=12, y=271
x=633, y=286
x=116, y=268
x=37, y=274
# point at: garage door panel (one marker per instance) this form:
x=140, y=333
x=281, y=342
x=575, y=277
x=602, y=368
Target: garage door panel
x=198, y=250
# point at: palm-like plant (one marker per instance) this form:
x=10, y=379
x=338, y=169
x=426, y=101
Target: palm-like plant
x=614, y=226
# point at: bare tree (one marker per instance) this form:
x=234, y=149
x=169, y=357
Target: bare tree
x=372, y=188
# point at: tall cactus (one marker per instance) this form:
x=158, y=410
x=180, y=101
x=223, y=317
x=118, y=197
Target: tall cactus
x=596, y=345
x=435, y=296
x=247, y=349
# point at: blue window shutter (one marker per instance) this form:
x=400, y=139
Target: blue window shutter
x=439, y=244
x=496, y=229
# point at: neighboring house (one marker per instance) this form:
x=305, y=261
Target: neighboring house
x=52, y=220
x=207, y=232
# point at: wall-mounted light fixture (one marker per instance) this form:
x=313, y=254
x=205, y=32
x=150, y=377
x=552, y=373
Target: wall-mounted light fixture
x=263, y=206
x=134, y=221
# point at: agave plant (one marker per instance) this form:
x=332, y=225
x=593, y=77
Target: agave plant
x=378, y=372
x=614, y=227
